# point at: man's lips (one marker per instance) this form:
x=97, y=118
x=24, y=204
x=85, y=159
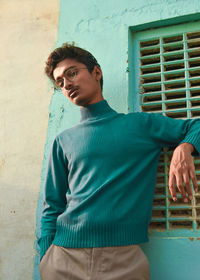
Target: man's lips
x=73, y=92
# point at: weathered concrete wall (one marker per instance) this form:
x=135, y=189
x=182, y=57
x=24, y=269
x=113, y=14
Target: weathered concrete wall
x=102, y=28
x=28, y=33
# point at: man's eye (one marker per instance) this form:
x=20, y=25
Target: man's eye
x=71, y=73
x=59, y=83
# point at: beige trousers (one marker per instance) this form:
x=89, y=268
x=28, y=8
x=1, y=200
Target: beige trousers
x=105, y=263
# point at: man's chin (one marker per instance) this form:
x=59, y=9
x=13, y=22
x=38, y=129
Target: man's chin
x=78, y=101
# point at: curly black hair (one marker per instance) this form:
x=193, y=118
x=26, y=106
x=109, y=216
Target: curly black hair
x=72, y=52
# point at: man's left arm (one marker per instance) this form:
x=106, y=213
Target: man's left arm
x=166, y=131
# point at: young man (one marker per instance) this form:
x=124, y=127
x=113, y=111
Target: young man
x=101, y=177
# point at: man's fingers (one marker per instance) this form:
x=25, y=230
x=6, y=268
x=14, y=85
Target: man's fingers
x=194, y=179
x=179, y=183
x=172, y=186
x=186, y=180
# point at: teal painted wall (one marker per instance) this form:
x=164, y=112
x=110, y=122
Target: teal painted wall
x=102, y=28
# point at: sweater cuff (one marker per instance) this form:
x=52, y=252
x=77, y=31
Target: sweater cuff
x=195, y=141
x=44, y=243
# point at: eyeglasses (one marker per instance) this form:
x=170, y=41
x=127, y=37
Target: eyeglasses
x=70, y=75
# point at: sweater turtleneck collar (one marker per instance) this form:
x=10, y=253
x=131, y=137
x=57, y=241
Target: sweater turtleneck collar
x=96, y=110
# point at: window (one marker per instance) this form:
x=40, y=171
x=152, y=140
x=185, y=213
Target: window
x=165, y=75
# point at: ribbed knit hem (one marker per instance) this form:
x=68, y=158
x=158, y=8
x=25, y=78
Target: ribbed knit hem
x=45, y=243
x=195, y=141
x=87, y=236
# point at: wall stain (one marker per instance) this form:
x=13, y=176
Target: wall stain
x=47, y=18
x=2, y=163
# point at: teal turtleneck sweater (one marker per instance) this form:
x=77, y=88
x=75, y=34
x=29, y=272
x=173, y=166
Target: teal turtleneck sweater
x=101, y=177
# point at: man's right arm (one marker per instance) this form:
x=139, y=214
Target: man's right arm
x=56, y=185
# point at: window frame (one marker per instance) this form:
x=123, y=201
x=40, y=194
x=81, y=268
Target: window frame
x=150, y=31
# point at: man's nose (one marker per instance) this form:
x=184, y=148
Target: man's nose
x=67, y=84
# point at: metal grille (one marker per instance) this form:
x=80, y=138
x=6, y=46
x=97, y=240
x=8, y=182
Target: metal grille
x=170, y=85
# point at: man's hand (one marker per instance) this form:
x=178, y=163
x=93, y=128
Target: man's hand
x=181, y=171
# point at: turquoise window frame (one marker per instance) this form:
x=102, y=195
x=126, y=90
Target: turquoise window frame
x=144, y=32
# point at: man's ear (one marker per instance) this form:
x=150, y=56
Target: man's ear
x=98, y=73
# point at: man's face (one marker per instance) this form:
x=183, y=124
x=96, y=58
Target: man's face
x=79, y=85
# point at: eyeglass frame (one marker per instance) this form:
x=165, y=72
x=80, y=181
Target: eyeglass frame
x=75, y=69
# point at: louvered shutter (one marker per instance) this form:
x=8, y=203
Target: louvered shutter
x=169, y=84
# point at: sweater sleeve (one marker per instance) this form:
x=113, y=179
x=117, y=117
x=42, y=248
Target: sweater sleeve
x=166, y=131
x=55, y=188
